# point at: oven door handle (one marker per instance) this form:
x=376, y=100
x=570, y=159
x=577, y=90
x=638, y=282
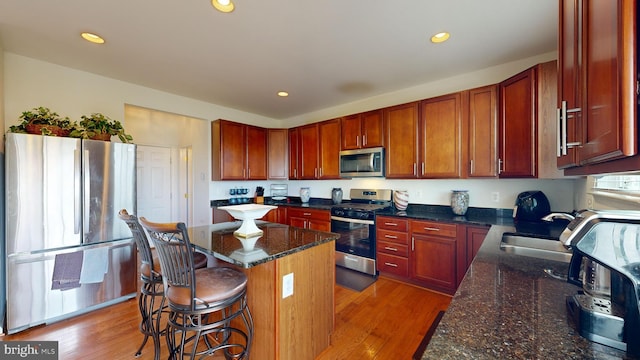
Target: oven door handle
x=357, y=221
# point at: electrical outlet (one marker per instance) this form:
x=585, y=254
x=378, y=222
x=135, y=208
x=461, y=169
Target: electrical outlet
x=495, y=196
x=287, y=285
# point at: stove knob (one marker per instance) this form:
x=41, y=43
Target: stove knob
x=339, y=212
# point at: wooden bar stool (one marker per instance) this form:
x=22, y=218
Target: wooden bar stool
x=205, y=304
x=151, y=289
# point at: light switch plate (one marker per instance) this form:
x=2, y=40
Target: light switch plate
x=287, y=285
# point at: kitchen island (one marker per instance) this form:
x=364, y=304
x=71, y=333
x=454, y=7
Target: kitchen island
x=291, y=279
x=508, y=307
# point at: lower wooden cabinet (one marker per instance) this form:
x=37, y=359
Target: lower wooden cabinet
x=434, y=254
x=392, y=246
x=309, y=218
x=431, y=254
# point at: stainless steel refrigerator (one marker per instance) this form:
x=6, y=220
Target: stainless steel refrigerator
x=67, y=252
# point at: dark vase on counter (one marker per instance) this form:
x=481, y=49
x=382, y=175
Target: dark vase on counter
x=336, y=195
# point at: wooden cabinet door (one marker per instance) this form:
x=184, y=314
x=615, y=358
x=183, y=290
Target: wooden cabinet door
x=308, y=152
x=371, y=129
x=298, y=222
x=518, y=126
x=433, y=261
x=440, y=137
x=256, y=144
x=294, y=153
x=230, y=154
x=329, y=149
x=569, y=76
x=351, y=132
x=610, y=78
x=401, y=141
x=474, y=237
x=483, y=131
x=319, y=225
x=278, y=154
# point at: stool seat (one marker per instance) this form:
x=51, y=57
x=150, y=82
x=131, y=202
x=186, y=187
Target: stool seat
x=213, y=285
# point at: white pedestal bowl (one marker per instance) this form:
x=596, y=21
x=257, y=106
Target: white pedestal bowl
x=248, y=213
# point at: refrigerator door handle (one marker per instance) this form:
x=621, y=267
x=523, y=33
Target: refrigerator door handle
x=86, y=188
x=77, y=215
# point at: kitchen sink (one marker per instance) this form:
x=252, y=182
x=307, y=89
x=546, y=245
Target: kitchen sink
x=538, y=247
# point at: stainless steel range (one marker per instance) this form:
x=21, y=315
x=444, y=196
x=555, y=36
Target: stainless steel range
x=355, y=222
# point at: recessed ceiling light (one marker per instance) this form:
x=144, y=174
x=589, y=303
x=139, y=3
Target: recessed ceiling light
x=283, y=93
x=225, y=6
x=440, y=37
x=92, y=38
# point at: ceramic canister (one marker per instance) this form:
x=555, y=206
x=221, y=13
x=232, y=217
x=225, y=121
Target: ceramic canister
x=401, y=199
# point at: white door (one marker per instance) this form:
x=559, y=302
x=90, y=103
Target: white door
x=154, y=183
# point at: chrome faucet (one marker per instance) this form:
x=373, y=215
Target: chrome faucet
x=553, y=216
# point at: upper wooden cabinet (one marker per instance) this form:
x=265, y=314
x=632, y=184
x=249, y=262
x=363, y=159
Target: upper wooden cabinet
x=362, y=130
x=527, y=123
x=401, y=140
x=277, y=142
x=231, y=156
x=294, y=152
x=483, y=132
x=440, y=137
x=518, y=126
x=308, y=152
x=314, y=151
x=329, y=149
x=597, y=82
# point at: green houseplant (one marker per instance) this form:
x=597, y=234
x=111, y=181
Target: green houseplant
x=43, y=121
x=100, y=127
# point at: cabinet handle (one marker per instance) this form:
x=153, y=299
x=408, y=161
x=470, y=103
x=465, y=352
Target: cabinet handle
x=563, y=115
x=306, y=214
x=390, y=236
x=390, y=248
x=315, y=172
x=471, y=166
x=499, y=166
x=422, y=169
x=249, y=173
x=391, y=264
x=415, y=169
x=358, y=140
x=413, y=243
x=431, y=229
x=364, y=140
x=390, y=224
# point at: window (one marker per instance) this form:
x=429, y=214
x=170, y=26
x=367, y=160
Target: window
x=624, y=183
x=617, y=187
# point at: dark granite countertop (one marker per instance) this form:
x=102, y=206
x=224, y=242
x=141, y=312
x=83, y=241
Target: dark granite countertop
x=277, y=241
x=507, y=307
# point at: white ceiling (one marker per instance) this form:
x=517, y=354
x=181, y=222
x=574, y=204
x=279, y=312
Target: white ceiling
x=325, y=53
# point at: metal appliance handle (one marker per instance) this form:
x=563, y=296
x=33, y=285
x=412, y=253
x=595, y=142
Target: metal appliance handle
x=86, y=191
x=357, y=221
x=77, y=191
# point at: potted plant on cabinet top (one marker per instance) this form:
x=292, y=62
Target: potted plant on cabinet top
x=43, y=121
x=100, y=127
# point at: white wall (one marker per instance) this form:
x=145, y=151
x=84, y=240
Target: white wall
x=434, y=192
x=30, y=83
x=492, y=75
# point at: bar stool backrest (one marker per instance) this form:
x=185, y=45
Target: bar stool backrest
x=142, y=242
x=176, y=256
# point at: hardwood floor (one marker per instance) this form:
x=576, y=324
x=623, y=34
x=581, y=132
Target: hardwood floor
x=385, y=321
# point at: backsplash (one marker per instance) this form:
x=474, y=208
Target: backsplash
x=484, y=193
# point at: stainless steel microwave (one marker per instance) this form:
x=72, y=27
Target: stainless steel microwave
x=362, y=163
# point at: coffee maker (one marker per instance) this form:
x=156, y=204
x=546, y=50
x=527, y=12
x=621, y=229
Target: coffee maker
x=606, y=264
